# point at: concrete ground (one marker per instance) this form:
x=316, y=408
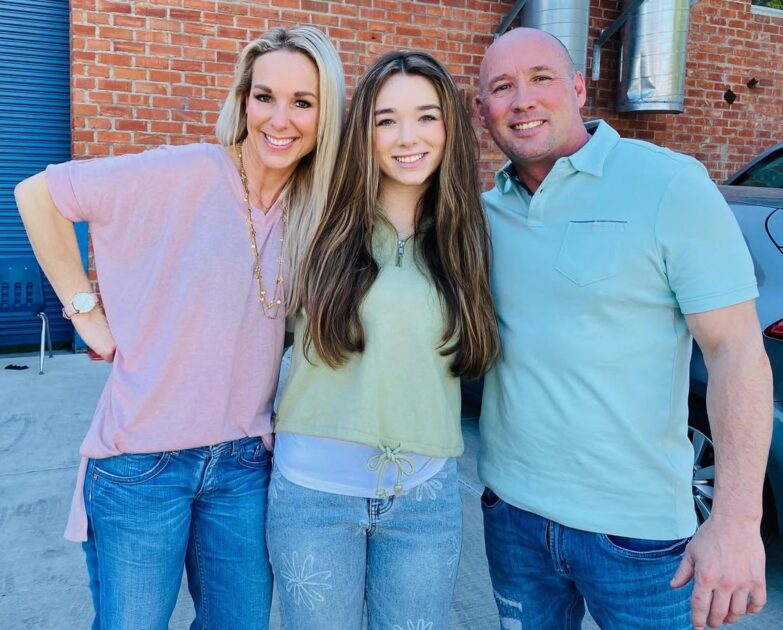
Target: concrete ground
x=43, y=580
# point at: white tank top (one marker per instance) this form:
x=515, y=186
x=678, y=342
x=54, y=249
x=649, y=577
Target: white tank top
x=350, y=468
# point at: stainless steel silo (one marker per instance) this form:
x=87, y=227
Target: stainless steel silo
x=568, y=20
x=652, y=57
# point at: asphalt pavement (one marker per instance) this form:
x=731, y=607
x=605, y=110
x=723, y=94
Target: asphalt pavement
x=43, y=579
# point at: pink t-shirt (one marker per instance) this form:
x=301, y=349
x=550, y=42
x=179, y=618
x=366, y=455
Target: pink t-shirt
x=197, y=360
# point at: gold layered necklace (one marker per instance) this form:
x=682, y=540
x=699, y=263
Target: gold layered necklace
x=271, y=306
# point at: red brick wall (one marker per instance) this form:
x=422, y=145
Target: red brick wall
x=157, y=72
x=148, y=73
x=727, y=46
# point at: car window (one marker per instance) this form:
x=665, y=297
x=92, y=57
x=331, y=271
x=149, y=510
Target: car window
x=767, y=173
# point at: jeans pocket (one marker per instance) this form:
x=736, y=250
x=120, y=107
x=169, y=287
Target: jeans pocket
x=590, y=250
x=644, y=548
x=131, y=467
x=253, y=454
x=489, y=500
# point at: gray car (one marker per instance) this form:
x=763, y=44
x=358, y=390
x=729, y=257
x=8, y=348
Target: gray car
x=764, y=171
x=758, y=206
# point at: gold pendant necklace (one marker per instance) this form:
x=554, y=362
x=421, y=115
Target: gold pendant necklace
x=269, y=307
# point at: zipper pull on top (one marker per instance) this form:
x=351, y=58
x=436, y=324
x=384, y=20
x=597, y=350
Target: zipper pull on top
x=400, y=252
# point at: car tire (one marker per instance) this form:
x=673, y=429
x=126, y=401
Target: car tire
x=704, y=470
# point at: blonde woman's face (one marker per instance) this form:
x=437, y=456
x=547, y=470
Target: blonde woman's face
x=282, y=109
x=410, y=135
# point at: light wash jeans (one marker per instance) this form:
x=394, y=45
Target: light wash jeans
x=149, y=515
x=332, y=554
x=543, y=572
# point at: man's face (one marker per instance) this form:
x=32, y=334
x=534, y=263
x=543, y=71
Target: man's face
x=529, y=100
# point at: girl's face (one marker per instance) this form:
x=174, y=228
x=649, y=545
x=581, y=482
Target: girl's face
x=410, y=135
x=282, y=110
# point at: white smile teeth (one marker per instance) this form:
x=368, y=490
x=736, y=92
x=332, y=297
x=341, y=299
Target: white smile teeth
x=278, y=142
x=528, y=125
x=409, y=159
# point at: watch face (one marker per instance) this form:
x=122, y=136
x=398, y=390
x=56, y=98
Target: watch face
x=83, y=302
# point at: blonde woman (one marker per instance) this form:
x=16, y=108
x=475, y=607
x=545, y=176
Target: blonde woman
x=194, y=246
x=395, y=307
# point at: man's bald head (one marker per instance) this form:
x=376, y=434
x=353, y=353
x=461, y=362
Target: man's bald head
x=510, y=42
x=529, y=100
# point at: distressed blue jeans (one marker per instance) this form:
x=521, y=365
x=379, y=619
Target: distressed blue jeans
x=150, y=515
x=332, y=554
x=543, y=573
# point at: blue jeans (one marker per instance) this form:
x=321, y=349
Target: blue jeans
x=151, y=514
x=333, y=553
x=543, y=572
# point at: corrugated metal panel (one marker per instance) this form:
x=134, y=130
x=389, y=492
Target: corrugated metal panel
x=35, y=128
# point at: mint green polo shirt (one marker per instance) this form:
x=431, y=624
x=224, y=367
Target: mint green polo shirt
x=584, y=417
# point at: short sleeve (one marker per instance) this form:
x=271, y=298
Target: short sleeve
x=704, y=253
x=100, y=189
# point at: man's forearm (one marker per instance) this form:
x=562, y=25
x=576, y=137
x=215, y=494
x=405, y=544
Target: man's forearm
x=739, y=406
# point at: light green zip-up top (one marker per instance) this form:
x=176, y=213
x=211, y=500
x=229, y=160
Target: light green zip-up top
x=399, y=392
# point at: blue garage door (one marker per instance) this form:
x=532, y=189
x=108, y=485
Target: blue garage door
x=35, y=130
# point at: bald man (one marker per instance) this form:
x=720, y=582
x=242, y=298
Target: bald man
x=610, y=256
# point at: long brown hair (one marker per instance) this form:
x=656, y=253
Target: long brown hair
x=451, y=232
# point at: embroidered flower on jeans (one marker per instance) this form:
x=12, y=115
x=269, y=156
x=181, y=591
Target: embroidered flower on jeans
x=275, y=484
x=429, y=489
x=452, y=563
x=303, y=585
x=415, y=625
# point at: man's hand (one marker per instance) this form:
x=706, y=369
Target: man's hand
x=726, y=559
x=94, y=329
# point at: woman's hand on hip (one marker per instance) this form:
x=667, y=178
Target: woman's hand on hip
x=93, y=328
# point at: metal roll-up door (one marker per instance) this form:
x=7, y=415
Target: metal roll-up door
x=35, y=130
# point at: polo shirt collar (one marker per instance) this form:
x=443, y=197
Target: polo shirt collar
x=506, y=178
x=589, y=159
x=592, y=156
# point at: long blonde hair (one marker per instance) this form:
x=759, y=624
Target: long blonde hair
x=451, y=230
x=309, y=186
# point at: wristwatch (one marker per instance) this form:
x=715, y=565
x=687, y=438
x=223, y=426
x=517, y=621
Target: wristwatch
x=80, y=303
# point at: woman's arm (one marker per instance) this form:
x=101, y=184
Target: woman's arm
x=54, y=243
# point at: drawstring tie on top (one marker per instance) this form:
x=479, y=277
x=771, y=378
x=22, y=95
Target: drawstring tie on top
x=380, y=462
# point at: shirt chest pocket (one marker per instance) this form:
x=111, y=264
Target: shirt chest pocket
x=590, y=251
